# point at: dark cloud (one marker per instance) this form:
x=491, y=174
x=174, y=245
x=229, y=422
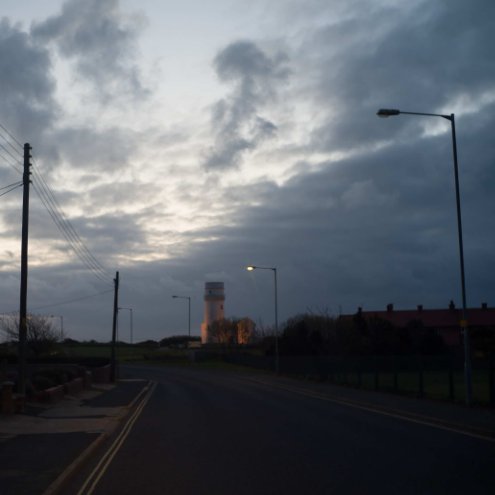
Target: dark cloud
x=255, y=77
x=423, y=58
x=367, y=231
x=102, y=42
x=27, y=104
x=104, y=151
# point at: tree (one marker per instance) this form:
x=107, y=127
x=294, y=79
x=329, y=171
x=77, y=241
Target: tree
x=41, y=335
x=245, y=331
x=223, y=331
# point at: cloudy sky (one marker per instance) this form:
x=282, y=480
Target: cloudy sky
x=184, y=140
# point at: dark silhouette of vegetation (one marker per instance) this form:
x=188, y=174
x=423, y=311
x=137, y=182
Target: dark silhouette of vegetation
x=232, y=331
x=309, y=334
x=178, y=341
x=42, y=337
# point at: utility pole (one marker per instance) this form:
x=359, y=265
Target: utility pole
x=114, y=326
x=21, y=383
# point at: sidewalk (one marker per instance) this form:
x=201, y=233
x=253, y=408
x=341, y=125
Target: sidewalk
x=36, y=447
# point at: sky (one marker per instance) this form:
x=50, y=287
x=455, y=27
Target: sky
x=183, y=141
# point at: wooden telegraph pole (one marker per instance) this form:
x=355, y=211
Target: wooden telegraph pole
x=21, y=383
x=114, y=326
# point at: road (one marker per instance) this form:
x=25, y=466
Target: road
x=213, y=433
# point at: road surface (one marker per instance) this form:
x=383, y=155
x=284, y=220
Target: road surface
x=213, y=432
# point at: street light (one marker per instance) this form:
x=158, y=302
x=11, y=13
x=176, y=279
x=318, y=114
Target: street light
x=61, y=324
x=250, y=268
x=130, y=312
x=388, y=112
x=188, y=313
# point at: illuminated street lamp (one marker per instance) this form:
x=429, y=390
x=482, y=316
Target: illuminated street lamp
x=250, y=268
x=387, y=112
x=189, y=313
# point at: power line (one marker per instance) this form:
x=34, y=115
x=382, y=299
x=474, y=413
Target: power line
x=52, y=205
x=55, y=211
x=11, y=189
x=11, y=136
x=16, y=161
x=10, y=185
x=16, y=149
x=69, y=225
x=61, y=303
x=59, y=223
x=72, y=300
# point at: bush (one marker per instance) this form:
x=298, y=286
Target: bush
x=58, y=376
x=41, y=382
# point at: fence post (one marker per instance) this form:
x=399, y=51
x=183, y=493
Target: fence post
x=376, y=373
x=451, y=380
x=396, y=377
x=420, y=377
x=359, y=373
x=491, y=380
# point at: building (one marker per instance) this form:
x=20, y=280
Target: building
x=445, y=322
x=214, y=298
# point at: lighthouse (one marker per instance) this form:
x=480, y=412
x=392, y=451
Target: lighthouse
x=214, y=298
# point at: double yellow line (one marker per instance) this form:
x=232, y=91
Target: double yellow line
x=402, y=415
x=98, y=472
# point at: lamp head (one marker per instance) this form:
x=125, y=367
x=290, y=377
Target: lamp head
x=250, y=268
x=387, y=112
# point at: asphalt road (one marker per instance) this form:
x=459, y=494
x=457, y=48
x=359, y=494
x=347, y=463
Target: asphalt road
x=214, y=433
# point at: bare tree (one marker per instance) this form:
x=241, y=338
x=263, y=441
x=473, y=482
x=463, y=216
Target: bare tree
x=41, y=334
x=245, y=331
x=223, y=331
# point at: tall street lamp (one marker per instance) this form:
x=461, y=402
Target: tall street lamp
x=386, y=112
x=188, y=313
x=250, y=268
x=61, y=325
x=130, y=313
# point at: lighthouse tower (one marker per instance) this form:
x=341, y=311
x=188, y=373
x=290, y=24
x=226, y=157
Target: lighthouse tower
x=214, y=298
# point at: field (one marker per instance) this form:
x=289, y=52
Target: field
x=430, y=383
x=435, y=384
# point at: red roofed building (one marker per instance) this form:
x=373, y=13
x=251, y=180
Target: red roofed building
x=445, y=322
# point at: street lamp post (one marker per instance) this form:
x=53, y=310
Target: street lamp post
x=188, y=313
x=386, y=112
x=61, y=325
x=250, y=268
x=130, y=313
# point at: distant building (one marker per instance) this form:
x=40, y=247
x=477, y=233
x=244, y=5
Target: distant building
x=214, y=299
x=445, y=322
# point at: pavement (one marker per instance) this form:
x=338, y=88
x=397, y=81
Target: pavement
x=43, y=448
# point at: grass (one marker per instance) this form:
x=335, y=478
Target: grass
x=435, y=384
x=122, y=352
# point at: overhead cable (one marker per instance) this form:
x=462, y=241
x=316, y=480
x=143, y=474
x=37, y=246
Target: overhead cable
x=11, y=189
x=54, y=209
x=76, y=247
x=11, y=136
x=72, y=300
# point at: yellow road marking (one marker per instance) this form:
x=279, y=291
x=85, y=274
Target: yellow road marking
x=369, y=408
x=105, y=461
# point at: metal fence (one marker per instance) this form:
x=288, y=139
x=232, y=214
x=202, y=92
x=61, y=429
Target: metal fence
x=440, y=377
